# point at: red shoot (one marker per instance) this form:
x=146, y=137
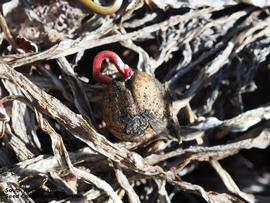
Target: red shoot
x=124, y=69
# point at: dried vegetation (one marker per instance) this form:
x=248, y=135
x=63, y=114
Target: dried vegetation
x=212, y=55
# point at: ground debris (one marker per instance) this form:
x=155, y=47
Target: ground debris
x=213, y=60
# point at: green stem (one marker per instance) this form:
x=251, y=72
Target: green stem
x=104, y=10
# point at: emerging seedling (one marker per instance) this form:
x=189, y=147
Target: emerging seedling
x=134, y=107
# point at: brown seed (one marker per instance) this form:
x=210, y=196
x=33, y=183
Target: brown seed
x=136, y=109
